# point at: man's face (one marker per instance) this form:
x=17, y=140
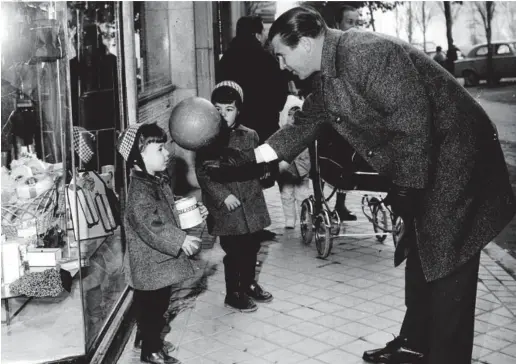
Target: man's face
x=296, y=60
x=350, y=19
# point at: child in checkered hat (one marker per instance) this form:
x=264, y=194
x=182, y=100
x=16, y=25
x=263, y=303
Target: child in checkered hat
x=157, y=250
x=238, y=212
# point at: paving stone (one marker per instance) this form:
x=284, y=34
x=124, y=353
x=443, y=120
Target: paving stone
x=326, y=311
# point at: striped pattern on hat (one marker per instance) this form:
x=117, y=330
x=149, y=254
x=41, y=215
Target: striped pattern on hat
x=126, y=140
x=83, y=143
x=233, y=85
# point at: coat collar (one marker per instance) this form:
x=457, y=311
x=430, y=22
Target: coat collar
x=329, y=52
x=159, y=179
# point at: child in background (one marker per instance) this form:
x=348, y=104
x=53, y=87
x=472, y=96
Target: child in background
x=238, y=212
x=157, y=250
x=293, y=180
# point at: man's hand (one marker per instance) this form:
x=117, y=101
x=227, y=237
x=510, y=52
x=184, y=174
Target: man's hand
x=405, y=202
x=232, y=202
x=191, y=245
x=234, y=157
x=222, y=172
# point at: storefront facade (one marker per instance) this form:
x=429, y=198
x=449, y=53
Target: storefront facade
x=75, y=74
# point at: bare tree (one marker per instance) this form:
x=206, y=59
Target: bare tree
x=508, y=9
x=486, y=10
x=398, y=16
x=451, y=11
x=423, y=15
x=410, y=23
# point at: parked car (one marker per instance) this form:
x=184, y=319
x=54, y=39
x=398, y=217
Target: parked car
x=473, y=67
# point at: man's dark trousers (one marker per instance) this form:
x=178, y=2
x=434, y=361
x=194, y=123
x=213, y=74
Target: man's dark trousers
x=440, y=316
x=240, y=260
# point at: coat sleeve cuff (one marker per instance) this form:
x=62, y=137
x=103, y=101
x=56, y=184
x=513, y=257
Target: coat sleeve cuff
x=264, y=154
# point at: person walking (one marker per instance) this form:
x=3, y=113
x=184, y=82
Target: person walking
x=265, y=86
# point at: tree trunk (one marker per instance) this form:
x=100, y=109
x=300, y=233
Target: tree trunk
x=423, y=23
x=370, y=6
x=489, y=16
x=451, y=54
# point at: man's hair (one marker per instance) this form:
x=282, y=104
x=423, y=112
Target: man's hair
x=340, y=13
x=226, y=95
x=249, y=26
x=438, y=49
x=296, y=23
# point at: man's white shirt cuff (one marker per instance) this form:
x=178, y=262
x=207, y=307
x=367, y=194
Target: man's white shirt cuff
x=264, y=153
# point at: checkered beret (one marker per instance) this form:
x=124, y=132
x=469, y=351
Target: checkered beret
x=233, y=85
x=126, y=140
x=83, y=143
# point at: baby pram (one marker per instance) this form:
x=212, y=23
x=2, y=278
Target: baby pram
x=335, y=163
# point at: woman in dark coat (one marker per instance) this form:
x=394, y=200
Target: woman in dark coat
x=265, y=86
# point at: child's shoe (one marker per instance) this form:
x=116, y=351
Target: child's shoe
x=258, y=294
x=167, y=345
x=158, y=358
x=240, y=301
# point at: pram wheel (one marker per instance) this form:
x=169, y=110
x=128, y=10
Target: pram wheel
x=323, y=238
x=380, y=219
x=306, y=222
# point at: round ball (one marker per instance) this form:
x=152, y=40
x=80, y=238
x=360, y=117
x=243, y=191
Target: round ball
x=194, y=123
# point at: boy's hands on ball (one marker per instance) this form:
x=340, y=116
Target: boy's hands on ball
x=191, y=245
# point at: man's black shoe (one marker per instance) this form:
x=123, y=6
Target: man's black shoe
x=240, y=301
x=258, y=294
x=395, y=352
x=158, y=358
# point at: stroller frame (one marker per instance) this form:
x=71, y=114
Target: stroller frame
x=317, y=218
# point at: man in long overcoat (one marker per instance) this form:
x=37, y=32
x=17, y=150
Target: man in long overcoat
x=413, y=122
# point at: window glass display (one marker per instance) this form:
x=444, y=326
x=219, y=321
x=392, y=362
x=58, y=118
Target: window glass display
x=152, y=46
x=61, y=261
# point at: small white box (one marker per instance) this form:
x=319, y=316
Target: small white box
x=44, y=257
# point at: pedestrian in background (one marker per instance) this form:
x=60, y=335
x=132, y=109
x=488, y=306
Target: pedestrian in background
x=293, y=178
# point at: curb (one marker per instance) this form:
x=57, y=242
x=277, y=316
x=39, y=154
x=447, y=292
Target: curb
x=502, y=257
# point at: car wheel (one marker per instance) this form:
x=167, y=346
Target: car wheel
x=470, y=78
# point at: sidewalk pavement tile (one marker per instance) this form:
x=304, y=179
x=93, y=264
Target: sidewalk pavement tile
x=324, y=311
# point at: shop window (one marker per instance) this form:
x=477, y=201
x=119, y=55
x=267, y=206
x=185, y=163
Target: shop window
x=61, y=270
x=152, y=48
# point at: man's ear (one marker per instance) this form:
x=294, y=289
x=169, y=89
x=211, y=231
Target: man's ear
x=306, y=43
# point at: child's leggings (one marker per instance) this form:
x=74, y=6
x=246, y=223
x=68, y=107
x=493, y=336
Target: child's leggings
x=151, y=306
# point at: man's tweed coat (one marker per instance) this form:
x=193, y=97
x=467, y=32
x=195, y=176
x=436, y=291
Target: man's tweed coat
x=153, y=258
x=411, y=120
x=252, y=215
